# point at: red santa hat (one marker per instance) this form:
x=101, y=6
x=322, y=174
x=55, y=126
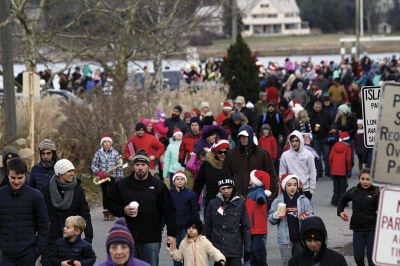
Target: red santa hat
x=227, y=106
x=220, y=145
x=106, y=138
x=261, y=178
x=177, y=131
x=286, y=177
x=344, y=136
x=179, y=173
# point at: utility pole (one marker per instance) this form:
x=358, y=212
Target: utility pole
x=357, y=28
x=10, y=117
x=234, y=21
x=361, y=18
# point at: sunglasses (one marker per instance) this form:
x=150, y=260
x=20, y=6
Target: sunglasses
x=222, y=152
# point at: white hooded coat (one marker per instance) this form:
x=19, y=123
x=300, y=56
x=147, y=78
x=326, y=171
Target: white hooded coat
x=300, y=163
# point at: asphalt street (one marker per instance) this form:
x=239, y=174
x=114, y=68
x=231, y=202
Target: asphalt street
x=339, y=235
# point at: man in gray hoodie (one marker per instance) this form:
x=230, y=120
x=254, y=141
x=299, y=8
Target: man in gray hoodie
x=299, y=161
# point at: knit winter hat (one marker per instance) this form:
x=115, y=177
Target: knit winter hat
x=179, y=108
x=196, y=111
x=286, y=177
x=237, y=116
x=10, y=152
x=261, y=178
x=187, y=114
x=140, y=157
x=344, y=108
x=344, y=136
x=106, y=138
x=62, y=166
x=177, y=131
x=220, y=145
x=204, y=104
x=195, y=223
x=315, y=235
x=227, y=106
x=195, y=119
x=179, y=173
x=226, y=183
x=360, y=122
x=240, y=99
x=249, y=105
x=140, y=126
x=120, y=233
x=47, y=144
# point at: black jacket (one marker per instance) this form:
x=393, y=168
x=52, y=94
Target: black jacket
x=78, y=250
x=323, y=120
x=210, y=173
x=325, y=256
x=365, y=205
x=79, y=206
x=229, y=232
x=171, y=124
x=155, y=207
x=24, y=224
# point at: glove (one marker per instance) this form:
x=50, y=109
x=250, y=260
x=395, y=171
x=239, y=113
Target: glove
x=102, y=175
x=246, y=256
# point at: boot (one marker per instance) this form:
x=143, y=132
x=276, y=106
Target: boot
x=106, y=215
x=111, y=217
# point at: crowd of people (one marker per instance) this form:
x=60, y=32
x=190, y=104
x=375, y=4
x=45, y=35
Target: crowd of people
x=250, y=165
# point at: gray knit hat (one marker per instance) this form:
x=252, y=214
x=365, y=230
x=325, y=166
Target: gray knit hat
x=47, y=144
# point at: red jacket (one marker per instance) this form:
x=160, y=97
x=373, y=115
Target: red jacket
x=340, y=159
x=272, y=94
x=269, y=144
x=187, y=145
x=257, y=212
x=221, y=117
x=150, y=144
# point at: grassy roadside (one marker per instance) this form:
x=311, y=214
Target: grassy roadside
x=92, y=191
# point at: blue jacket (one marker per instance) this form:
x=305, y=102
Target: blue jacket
x=186, y=206
x=78, y=250
x=40, y=176
x=24, y=223
x=171, y=158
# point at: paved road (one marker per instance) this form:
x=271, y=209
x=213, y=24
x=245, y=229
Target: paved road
x=339, y=235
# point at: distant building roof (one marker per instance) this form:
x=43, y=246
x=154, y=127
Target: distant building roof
x=283, y=6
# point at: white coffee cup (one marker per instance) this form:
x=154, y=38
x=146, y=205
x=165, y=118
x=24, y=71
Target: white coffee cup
x=281, y=209
x=134, y=205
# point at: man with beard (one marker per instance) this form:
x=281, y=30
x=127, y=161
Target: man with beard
x=146, y=204
x=43, y=171
x=175, y=121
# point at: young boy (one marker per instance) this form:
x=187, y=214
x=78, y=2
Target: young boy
x=268, y=142
x=186, y=206
x=195, y=248
x=287, y=211
x=226, y=224
x=71, y=249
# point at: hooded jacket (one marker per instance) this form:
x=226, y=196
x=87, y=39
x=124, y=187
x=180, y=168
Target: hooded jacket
x=187, y=145
x=324, y=256
x=171, y=160
x=300, y=163
x=340, y=159
x=241, y=160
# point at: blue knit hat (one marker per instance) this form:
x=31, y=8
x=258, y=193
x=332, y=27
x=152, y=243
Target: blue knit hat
x=120, y=233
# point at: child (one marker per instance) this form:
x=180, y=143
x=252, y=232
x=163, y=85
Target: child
x=71, y=249
x=195, y=249
x=341, y=164
x=171, y=157
x=256, y=203
x=289, y=218
x=268, y=142
x=359, y=144
x=186, y=206
x=365, y=199
x=105, y=159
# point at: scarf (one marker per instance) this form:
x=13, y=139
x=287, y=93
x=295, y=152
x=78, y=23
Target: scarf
x=62, y=203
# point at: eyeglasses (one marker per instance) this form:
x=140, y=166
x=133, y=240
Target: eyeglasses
x=222, y=152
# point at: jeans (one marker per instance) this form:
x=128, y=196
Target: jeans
x=181, y=235
x=288, y=251
x=339, y=188
x=258, y=250
x=360, y=241
x=149, y=252
x=322, y=150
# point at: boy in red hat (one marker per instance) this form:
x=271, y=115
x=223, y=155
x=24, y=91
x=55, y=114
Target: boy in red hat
x=340, y=160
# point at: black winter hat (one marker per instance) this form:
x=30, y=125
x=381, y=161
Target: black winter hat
x=140, y=126
x=140, y=157
x=195, y=223
x=195, y=119
x=227, y=182
x=179, y=108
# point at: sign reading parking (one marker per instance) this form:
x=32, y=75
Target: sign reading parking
x=387, y=234
x=386, y=158
x=370, y=108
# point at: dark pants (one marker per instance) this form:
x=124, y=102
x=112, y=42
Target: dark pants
x=360, y=241
x=322, y=150
x=105, y=188
x=339, y=188
x=28, y=259
x=231, y=262
x=181, y=235
x=258, y=250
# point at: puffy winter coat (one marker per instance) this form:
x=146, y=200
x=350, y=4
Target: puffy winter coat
x=187, y=145
x=78, y=250
x=40, y=176
x=340, y=159
x=171, y=158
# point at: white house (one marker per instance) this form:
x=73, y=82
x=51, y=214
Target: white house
x=271, y=17
x=211, y=17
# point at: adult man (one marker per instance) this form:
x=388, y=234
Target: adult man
x=226, y=224
x=175, y=121
x=144, y=141
x=299, y=161
x=43, y=171
x=315, y=251
x=155, y=207
x=24, y=224
x=246, y=157
x=276, y=122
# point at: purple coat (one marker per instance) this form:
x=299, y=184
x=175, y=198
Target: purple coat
x=132, y=262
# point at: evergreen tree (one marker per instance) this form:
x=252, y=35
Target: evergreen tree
x=240, y=71
x=393, y=16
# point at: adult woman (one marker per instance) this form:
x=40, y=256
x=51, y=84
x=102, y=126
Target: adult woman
x=211, y=171
x=365, y=198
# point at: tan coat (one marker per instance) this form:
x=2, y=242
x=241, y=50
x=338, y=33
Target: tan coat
x=196, y=253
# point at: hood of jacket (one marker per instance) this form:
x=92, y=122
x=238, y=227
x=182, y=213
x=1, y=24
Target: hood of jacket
x=313, y=223
x=341, y=147
x=210, y=158
x=300, y=136
x=250, y=131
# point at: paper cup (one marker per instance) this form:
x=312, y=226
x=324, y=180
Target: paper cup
x=281, y=209
x=135, y=205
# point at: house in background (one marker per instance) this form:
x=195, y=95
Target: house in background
x=213, y=19
x=271, y=17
